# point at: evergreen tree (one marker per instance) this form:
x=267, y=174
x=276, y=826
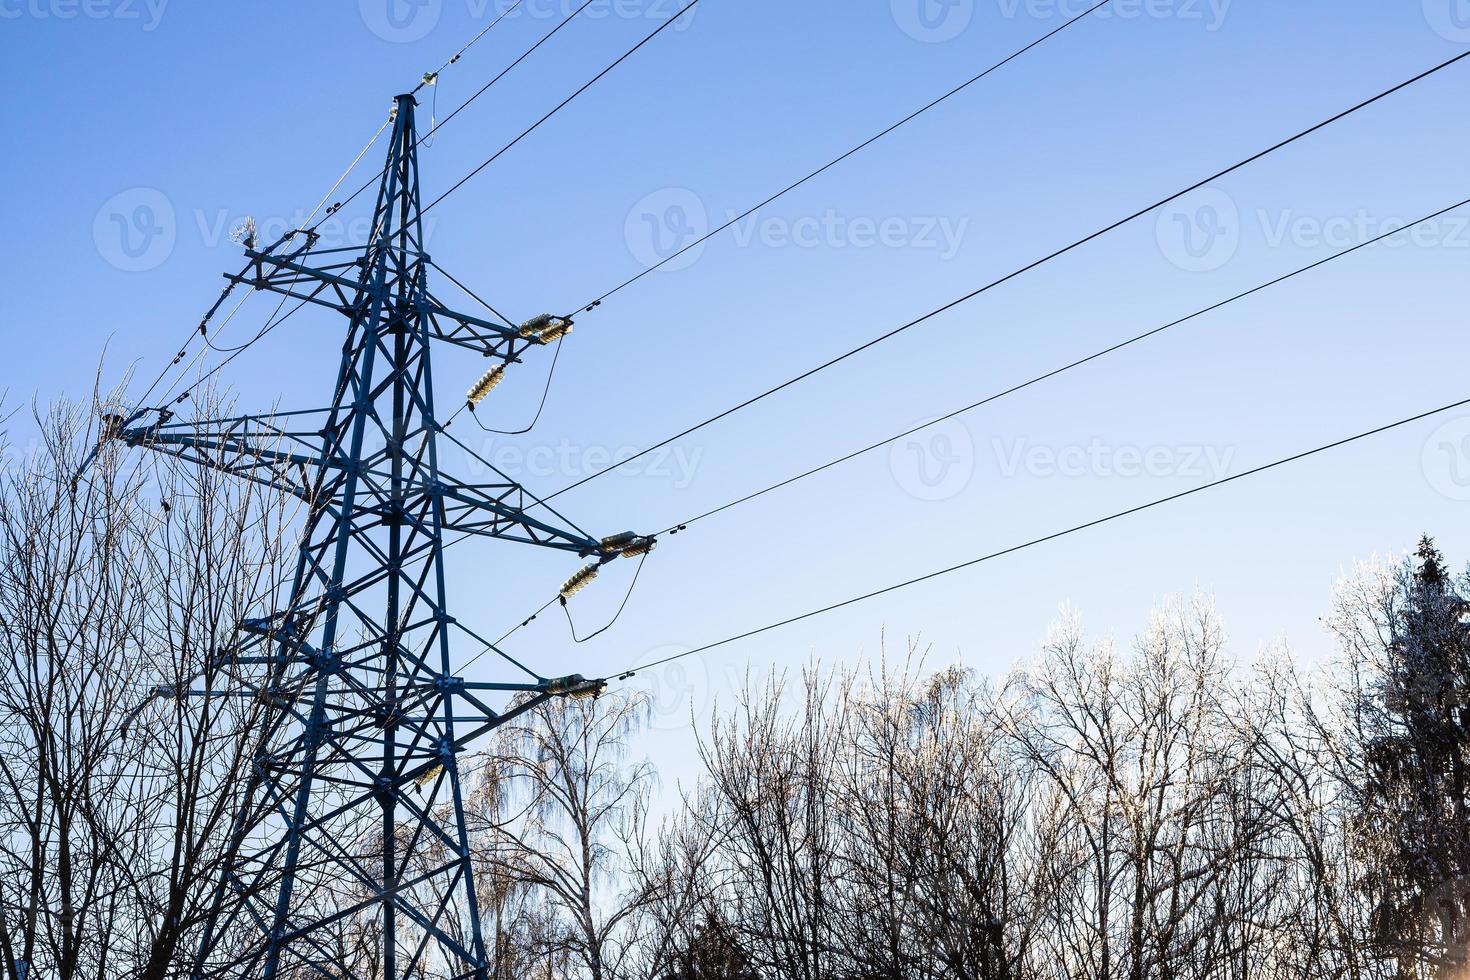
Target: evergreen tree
x=711, y=954
x=1414, y=812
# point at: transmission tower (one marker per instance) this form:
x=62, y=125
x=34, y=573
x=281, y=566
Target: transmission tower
x=355, y=810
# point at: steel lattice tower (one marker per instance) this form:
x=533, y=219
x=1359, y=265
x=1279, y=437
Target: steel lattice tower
x=365, y=721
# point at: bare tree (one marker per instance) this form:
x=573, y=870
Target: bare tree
x=68, y=601
x=775, y=876
x=1113, y=815
x=875, y=826
x=563, y=803
x=1151, y=812
x=1151, y=772
x=118, y=583
x=932, y=810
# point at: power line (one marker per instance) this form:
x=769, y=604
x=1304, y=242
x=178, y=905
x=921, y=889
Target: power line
x=275, y=322
x=1038, y=379
x=564, y=103
x=683, y=525
x=588, y=306
x=508, y=68
x=472, y=294
x=1010, y=276
x=545, y=393
x=345, y=174
x=432, y=77
x=511, y=632
x=527, y=132
x=203, y=326
x=1050, y=537
x=616, y=616
x=208, y=342
x=184, y=347
x=481, y=91
x=492, y=647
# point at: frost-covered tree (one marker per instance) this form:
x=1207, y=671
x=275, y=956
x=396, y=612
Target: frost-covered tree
x=1414, y=795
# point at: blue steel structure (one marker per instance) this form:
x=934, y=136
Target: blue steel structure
x=356, y=807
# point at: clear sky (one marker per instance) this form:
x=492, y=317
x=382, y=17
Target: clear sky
x=139, y=133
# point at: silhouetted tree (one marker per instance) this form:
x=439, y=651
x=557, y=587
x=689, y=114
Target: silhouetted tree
x=710, y=954
x=118, y=584
x=1415, y=816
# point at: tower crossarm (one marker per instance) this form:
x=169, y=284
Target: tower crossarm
x=336, y=283
x=500, y=510
x=264, y=449
x=277, y=452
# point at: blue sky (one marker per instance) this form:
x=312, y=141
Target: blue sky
x=206, y=113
